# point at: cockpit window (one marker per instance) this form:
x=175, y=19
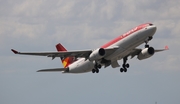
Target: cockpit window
x=150, y=24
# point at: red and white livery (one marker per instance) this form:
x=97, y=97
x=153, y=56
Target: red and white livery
x=107, y=55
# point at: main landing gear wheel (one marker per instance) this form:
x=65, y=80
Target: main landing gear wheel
x=99, y=66
x=123, y=69
x=95, y=70
x=124, y=66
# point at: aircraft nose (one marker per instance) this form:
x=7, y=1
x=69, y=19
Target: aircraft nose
x=153, y=28
x=150, y=30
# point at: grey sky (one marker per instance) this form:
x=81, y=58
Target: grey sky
x=38, y=25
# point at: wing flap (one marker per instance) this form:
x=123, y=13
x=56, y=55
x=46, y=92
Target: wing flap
x=115, y=64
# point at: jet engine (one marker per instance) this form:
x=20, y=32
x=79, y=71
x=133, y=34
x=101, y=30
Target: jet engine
x=146, y=53
x=97, y=54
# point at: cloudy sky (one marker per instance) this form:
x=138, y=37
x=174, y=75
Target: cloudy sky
x=38, y=25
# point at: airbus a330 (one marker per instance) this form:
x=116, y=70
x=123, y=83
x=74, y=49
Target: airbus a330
x=107, y=55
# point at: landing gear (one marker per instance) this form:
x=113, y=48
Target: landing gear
x=121, y=70
x=147, y=40
x=125, y=65
x=96, y=68
x=99, y=66
x=146, y=46
x=124, y=69
x=93, y=70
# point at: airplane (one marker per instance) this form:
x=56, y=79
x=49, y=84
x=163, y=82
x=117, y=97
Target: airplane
x=108, y=54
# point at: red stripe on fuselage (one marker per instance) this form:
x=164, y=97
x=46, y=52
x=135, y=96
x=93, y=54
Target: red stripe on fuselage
x=125, y=35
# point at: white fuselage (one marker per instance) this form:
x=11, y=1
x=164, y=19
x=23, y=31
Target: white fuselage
x=125, y=45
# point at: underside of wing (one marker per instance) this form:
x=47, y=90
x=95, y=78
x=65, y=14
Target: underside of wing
x=64, y=54
x=135, y=52
x=147, y=51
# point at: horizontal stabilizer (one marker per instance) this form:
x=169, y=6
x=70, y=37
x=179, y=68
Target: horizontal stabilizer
x=53, y=70
x=14, y=51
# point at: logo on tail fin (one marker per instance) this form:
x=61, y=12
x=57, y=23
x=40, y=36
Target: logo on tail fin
x=65, y=61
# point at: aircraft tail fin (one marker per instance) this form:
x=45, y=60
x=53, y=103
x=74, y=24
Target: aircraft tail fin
x=66, y=61
x=53, y=70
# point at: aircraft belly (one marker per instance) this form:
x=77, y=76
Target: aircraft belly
x=82, y=66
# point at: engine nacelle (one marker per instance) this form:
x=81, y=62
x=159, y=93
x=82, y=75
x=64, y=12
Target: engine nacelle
x=97, y=54
x=146, y=53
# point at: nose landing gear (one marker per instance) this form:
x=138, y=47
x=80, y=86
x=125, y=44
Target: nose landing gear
x=147, y=40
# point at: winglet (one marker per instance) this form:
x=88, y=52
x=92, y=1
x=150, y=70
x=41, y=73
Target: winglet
x=14, y=51
x=166, y=48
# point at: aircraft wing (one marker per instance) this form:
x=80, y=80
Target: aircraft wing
x=64, y=54
x=159, y=50
x=136, y=51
